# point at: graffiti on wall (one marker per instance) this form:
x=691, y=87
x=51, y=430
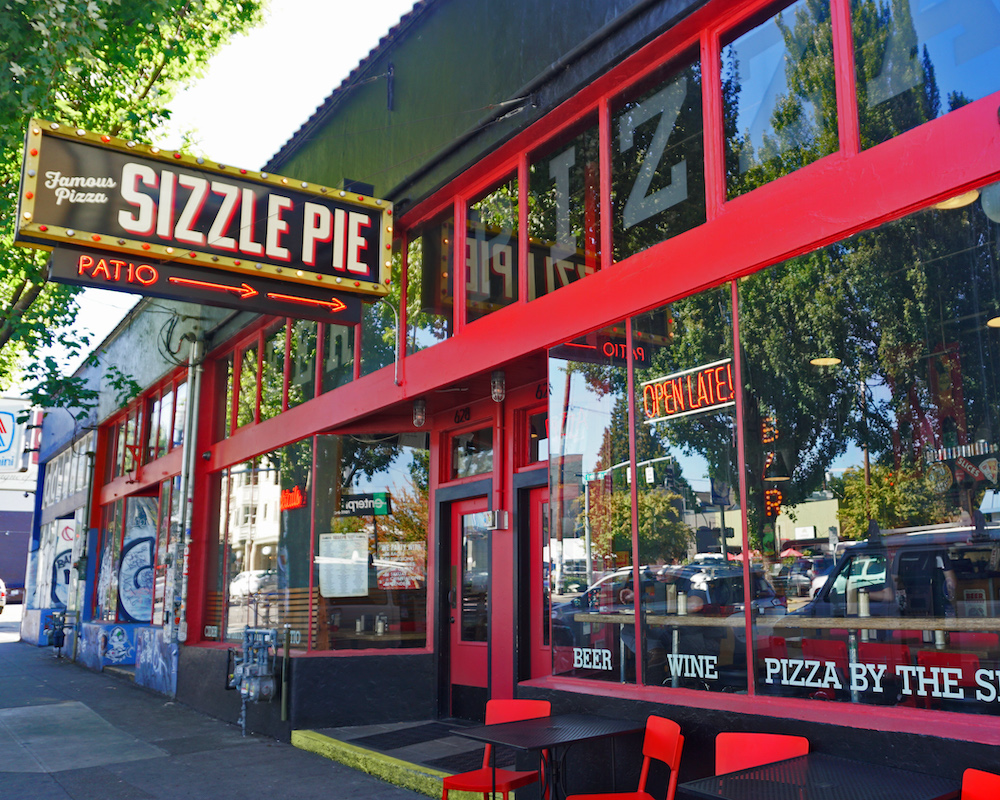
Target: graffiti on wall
x=155, y=661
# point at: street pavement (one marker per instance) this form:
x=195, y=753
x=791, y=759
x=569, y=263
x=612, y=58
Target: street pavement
x=67, y=733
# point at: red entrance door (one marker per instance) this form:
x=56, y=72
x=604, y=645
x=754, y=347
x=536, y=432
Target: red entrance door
x=541, y=654
x=468, y=596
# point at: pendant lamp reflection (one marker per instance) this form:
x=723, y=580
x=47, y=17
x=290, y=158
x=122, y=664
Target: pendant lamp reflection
x=776, y=469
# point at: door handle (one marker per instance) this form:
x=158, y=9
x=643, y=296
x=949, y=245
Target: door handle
x=452, y=598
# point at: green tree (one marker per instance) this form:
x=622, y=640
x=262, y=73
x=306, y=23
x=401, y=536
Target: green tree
x=103, y=65
x=895, y=498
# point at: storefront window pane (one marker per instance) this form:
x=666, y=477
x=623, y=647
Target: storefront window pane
x=872, y=433
x=658, y=162
x=690, y=523
x=491, y=251
x=246, y=403
x=166, y=420
x=135, y=569
x=430, y=296
x=180, y=414
x=371, y=542
x=378, y=336
x=268, y=536
x=918, y=61
x=272, y=376
x=589, y=551
x=472, y=453
x=162, y=548
x=338, y=356
x=779, y=98
x=538, y=437
x=563, y=212
x=154, y=429
x=106, y=595
x=302, y=370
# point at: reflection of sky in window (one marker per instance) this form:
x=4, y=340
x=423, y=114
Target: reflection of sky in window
x=761, y=54
x=963, y=40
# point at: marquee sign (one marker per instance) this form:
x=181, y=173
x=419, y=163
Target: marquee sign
x=178, y=281
x=79, y=188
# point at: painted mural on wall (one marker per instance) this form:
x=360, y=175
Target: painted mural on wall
x=135, y=571
x=155, y=661
x=117, y=645
x=61, y=568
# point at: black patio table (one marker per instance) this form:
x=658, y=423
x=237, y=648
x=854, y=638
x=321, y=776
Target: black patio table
x=555, y=734
x=820, y=776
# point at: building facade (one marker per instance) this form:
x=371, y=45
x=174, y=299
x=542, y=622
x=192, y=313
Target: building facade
x=675, y=286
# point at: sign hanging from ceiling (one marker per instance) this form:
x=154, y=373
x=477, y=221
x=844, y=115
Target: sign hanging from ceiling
x=178, y=281
x=83, y=189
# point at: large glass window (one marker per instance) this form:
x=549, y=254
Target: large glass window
x=430, y=294
x=689, y=520
x=272, y=372
x=302, y=367
x=355, y=580
x=338, y=356
x=491, y=251
x=658, y=159
x=916, y=61
x=564, y=211
x=872, y=430
x=779, y=98
x=589, y=550
x=471, y=453
x=246, y=388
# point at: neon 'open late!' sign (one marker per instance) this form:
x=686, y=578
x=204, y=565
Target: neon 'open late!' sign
x=691, y=391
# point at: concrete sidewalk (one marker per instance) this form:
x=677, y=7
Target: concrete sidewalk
x=67, y=733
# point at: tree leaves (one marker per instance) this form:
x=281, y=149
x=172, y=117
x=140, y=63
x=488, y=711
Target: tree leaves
x=103, y=65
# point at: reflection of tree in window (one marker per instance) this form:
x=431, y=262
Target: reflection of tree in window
x=246, y=410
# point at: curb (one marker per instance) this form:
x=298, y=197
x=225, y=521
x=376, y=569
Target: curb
x=379, y=765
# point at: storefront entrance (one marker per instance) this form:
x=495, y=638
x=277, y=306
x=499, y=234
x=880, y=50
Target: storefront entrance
x=469, y=611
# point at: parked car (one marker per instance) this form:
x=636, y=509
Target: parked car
x=933, y=571
x=712, y=587
x=15, y=594
x=3, y=596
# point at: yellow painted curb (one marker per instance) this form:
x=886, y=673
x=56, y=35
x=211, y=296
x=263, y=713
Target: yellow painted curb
x=391, y=770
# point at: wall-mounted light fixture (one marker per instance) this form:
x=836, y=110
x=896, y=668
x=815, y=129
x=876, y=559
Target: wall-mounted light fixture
x=498, y=386
x=419, y=412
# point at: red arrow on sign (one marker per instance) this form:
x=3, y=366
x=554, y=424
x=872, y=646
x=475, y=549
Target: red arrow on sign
x=245, y=291
x=334, y=305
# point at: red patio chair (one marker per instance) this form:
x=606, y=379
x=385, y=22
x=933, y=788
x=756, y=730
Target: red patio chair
x=975, y=640
x=979, y=785
x=890, y=654
x=736, y=751
x=834, y=650
x=662, y=741
x=967, y=662
x=482, y=780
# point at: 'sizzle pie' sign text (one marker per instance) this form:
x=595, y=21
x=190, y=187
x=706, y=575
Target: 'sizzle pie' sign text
x=96, y=192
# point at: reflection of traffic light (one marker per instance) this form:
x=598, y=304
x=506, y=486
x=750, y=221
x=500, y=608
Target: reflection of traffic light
x=670, y=480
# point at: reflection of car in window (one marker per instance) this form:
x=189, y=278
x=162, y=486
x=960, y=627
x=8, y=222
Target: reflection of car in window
x=932, y=572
